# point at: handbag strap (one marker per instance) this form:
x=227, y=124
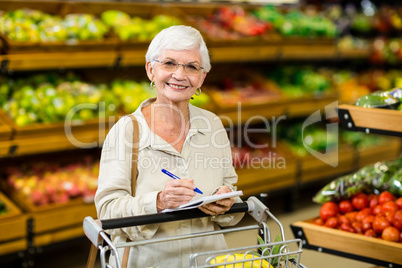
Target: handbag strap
x=136, y=138
x=134, y=160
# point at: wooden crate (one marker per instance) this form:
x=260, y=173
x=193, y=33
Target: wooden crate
x=316, y=50
x=13, y=228
x=59, y=128
x=56, y=222
x=343, y=243
x=5, y=130
x=60, y=8
x=371, y=120
x=388, y=150
x=305, y=106
x=51, y=143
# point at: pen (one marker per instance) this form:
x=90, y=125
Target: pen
x=177, y=178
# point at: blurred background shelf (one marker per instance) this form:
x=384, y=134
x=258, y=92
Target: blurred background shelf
x=51, y=143
x=58, y=60
x=13, y=227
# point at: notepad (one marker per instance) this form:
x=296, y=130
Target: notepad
x=205, y=200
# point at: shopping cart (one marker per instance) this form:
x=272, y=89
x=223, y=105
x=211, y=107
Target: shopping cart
x=282, y=253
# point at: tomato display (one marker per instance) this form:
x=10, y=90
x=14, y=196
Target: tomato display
x=371, y=215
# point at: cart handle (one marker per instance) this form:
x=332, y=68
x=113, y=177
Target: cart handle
x=165, y=217
x=94, y=228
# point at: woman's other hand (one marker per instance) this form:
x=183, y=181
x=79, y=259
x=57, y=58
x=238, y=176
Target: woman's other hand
x=175, y=193
x=220, y=206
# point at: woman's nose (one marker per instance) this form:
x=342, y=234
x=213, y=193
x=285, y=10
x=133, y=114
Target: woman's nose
x=180, y=71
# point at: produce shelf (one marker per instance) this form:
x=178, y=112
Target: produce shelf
x=244, y=53
x=58, y=60
x=315, y=51
x=54, y=222
x=388, y=150
x=5, y=130
x=256, y=180
x=354, y=53
x=349, y=245
x=136, y=56
x=55, y=8
x=313, y=168
x=51, y=143
x=49, y=137
x=13, y=228
x=290, y=107
x=370, y=120
x=58, y=128
x=58, y=236
x=305, y=106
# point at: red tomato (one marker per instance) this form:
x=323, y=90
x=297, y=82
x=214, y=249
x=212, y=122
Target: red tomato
x=362, y=214
x=388, y=208
x=385, y=197
x=351, y=216
x=377, y=210
x=373, y=200
x=332, y=222
x=397, y=221
x=328, y=209
x=391, y=234
x=398, y=202
x=360, y=201
x=370, y=233
x=358, y=227
x=345, y=206
x=367, y=223
x=343, y=219
x=380, y=223
x=318, y=221
x=346, y=227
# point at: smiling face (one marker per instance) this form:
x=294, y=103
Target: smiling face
x=176, y=86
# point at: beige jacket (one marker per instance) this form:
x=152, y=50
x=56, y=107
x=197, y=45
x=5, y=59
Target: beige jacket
x=205, y=157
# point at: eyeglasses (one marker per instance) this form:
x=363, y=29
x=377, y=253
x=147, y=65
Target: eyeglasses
x=189, y=68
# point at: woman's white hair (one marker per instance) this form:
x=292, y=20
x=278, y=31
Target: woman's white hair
x=179, y=37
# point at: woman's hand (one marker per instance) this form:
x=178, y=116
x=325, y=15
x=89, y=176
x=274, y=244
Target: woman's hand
x=220, y=206
x=175, y=193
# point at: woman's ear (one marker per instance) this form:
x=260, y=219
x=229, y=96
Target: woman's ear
x=150, y=70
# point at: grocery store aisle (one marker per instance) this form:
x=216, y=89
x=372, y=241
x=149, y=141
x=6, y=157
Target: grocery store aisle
x=74, y=254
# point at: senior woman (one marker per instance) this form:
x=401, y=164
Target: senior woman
x=174, y=135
